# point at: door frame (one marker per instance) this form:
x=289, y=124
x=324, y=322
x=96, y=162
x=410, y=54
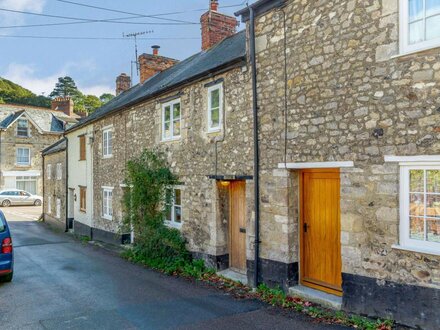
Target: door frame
x=323, y=287
x=230, y=227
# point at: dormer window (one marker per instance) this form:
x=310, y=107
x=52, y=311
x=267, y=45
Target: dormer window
x=419, y=25
x=22, y=128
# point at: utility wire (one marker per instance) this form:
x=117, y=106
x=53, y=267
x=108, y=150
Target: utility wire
x=91, y=38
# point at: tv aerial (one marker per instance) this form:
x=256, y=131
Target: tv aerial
x=135, y=36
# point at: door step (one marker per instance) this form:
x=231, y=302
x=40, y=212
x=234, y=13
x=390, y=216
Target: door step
x=234, y=275
x=325, y=299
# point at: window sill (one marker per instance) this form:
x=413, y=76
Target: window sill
x=416, y=249
x=107, y=157
x=173, y=224
x=175, y=139
x=23, y=165
x=214, y=131
x=107, y=217
x=415, y=52
x=83, y=211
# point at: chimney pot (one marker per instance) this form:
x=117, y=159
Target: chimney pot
x=155, y=49
x=214, y=5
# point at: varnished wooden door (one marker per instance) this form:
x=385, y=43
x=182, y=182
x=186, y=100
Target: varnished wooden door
x=237, y=228
x=320, y=230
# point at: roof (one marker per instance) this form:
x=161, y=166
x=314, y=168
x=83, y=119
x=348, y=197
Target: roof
x=58, y=146
x=229, y=51
x=45, y=120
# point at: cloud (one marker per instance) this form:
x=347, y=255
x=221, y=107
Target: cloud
x=8, y=18
x=27, y=76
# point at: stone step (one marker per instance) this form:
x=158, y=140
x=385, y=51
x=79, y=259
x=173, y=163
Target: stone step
x=319, y=297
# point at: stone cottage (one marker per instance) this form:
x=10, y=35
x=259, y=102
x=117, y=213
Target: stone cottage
x=344, y=162
x=24, y=132
x=54, y=187
x=348, y=102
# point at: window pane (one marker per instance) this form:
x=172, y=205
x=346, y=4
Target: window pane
x=167, y=131
x=215, y=118
x=433, y=181
x=433, y=206
x=417, y=229
x=177, y=214
x=176, y=111
x=176, y=131
x=177, y=198
x=416, y=205
x=433, y=27
x=432, y=7
x=416, y=178
x=416, y=33
x=215, y=98
x=433, y=230
x=167, y=116
x=415, y=10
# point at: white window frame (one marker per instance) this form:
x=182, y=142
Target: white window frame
x=58, y=208
x=107, y=203
x=49, y=171
x=27, y=128
x=405, y=240
x=218, y=128
x=172, y=120
x=107, y=143
x=405, y=47
x=49, y=205
x=29, y=157
x=172, y=222
x=59, y=171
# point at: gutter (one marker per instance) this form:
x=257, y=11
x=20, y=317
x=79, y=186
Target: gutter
x=256, y=144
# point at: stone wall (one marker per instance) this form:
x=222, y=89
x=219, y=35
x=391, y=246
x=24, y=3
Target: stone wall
x=55, y=188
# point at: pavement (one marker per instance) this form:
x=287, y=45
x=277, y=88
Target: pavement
x=61, y=283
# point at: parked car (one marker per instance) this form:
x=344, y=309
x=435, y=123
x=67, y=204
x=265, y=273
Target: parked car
x=6, y=251
x=19, y=197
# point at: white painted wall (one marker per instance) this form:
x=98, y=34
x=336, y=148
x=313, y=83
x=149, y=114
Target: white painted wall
x=81, y=173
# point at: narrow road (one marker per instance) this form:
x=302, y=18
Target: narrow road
x=60, y=283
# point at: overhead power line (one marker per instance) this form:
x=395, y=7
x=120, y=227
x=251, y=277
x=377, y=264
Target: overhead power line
x=91, y=38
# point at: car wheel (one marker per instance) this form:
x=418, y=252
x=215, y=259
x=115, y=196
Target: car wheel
x=37, y=202
x=7, y=278
x=6, y=203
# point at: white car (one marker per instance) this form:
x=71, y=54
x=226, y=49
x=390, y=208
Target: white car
x=11, y=197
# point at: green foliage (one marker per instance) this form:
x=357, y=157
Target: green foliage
x=13, y=93
x=106, y=97
x=65, y=86
x=156, y=245
x=277, y=297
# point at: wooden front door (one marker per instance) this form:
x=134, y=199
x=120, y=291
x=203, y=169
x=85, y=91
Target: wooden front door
x=320, y=230
x=237, y=227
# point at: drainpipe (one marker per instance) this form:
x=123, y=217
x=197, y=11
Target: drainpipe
x=66, y=200
x=43, y=204
x=256, y=144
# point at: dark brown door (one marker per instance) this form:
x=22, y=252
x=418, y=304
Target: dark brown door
x=237, y=229
x=320, y=230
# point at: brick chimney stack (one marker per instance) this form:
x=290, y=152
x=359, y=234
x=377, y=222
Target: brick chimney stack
x=123, y=83
x=216, y=26
x=63, y=104
x=151, y=64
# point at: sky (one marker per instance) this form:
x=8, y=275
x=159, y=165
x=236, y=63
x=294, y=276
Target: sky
x=36, y=63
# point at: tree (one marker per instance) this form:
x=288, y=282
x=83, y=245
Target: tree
x=106, y=97
x=65, y=87
x=91, y=103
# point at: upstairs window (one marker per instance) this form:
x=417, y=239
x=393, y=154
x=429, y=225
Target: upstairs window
x=22, y=128
x=173, y=214
x=171, y=120
x=215, y=108
x=107, y=143
x=82, y=147
x=420, y=207
x=23, y=156
x=59, y=171
x=419, y=24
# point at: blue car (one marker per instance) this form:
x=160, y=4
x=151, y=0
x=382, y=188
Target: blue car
x=6, y=252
